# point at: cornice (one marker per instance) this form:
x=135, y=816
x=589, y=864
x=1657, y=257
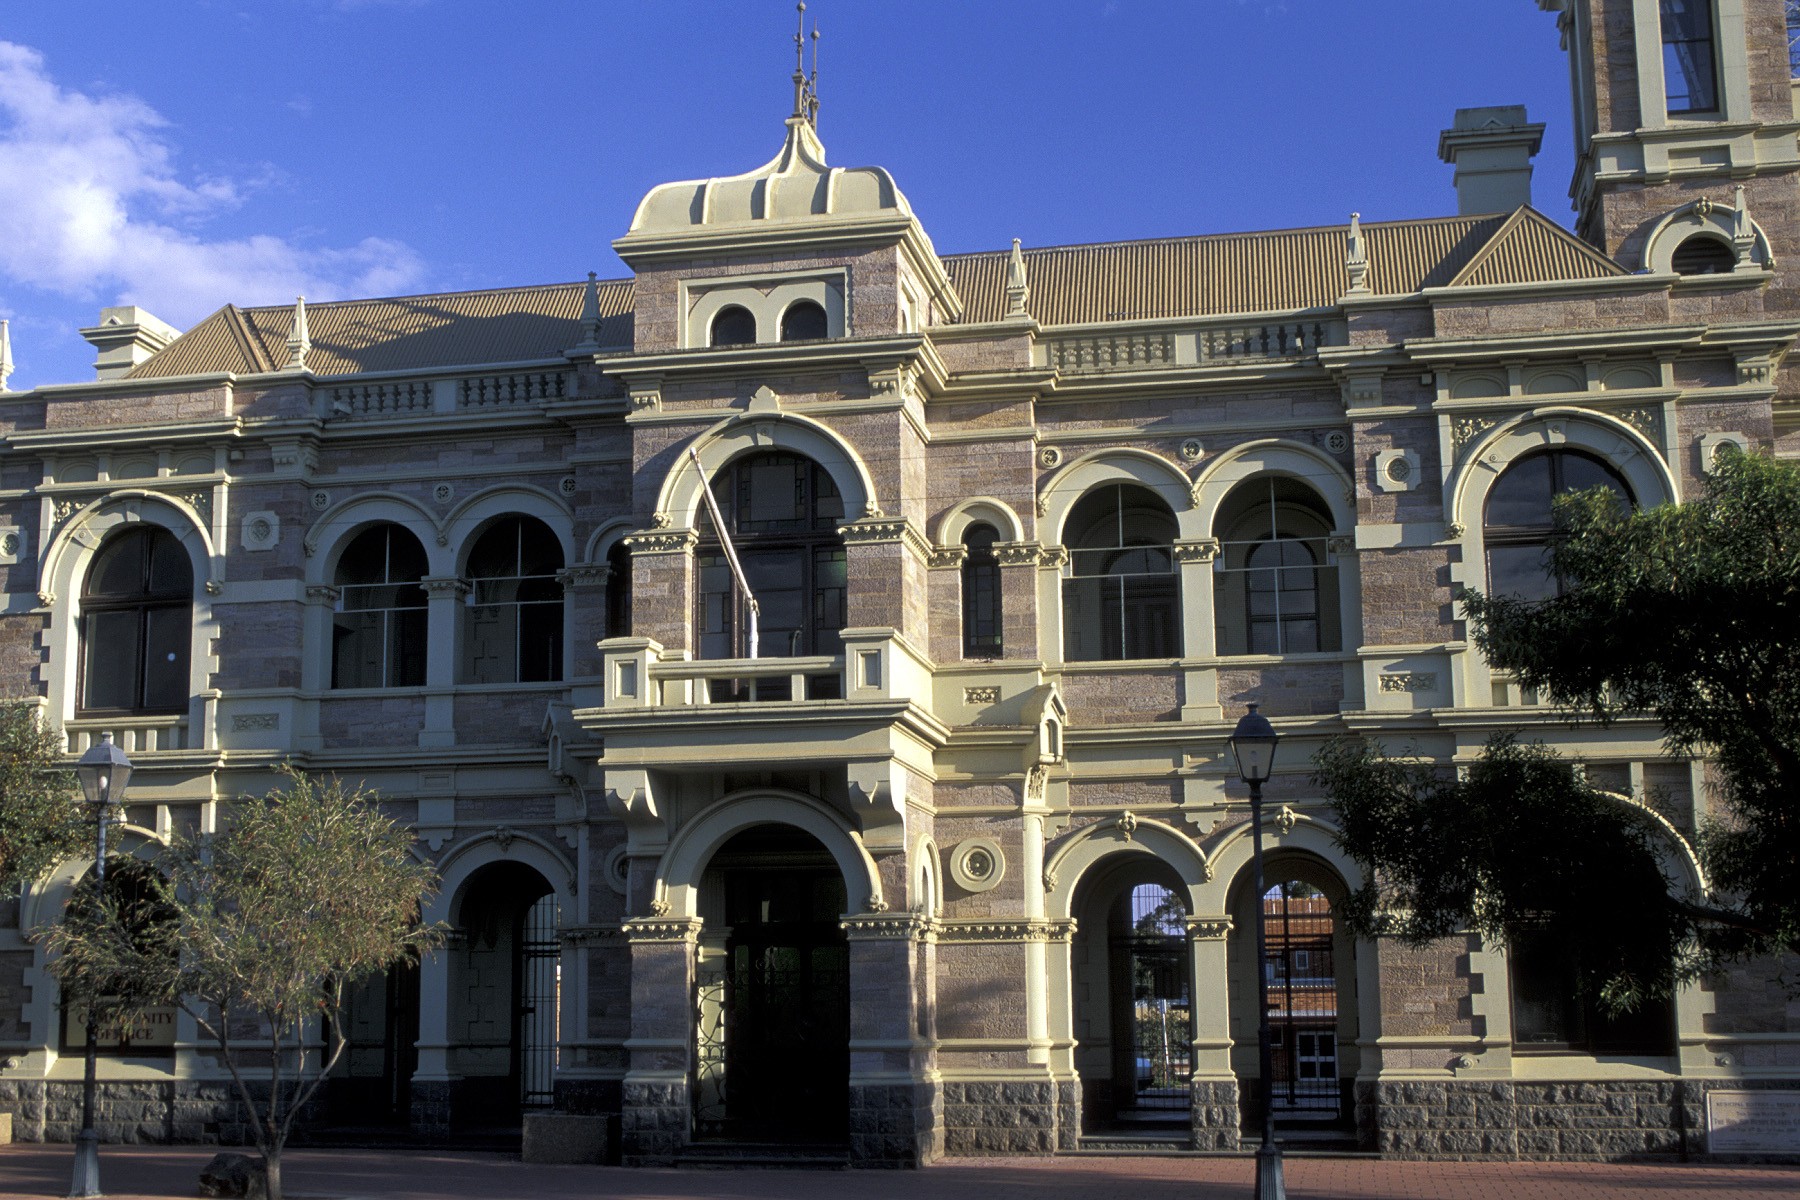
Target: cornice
x=113, y=437
x=981, y=929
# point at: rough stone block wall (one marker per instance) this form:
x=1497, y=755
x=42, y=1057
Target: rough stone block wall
x=1284, y=690
x=895, y=1125
x=1122, y=697
x=653, y=1126
x=1020, y=1117
x=359, y=722
x=1406, y=598
x=486, y=718
x=1214, y=1117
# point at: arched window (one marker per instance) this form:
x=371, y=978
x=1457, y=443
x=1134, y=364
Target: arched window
x=1518, y=525
x=733, y=325
x=514, y=630
x=1690, y=70
x=1121, y=596
x=1704, y=254
x=804, y=321
x=138, y=896
x=618, y=591
x=137, y=623
x=1277, y=589
x=981, y=593
x=378, y=637
x=783, y=513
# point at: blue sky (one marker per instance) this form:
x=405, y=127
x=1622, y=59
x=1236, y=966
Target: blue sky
x=181, y=154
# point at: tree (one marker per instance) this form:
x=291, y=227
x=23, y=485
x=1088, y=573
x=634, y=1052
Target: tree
x=305, y=892
x=1689, y=613
x=41, y=822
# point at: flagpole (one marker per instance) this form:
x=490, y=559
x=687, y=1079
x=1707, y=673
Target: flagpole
x=737, y=568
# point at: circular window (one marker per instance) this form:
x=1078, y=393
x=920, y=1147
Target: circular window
x=617, y=869
x=977, y=864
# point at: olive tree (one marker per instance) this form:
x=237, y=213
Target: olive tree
x=41, y=822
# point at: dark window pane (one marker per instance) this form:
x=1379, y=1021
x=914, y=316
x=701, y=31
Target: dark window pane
x=981, y=593
x=170, y=572
x=1521, y=498
x=119, y=568
x=358, y=642
x=112, y=657
x=406, y=649
x=166, y=637
x=618, y=591
x=540, y=642
x=1522, y=571
x=365, y=559
x=733, y=326
x=803, y=321
x=1703, y=255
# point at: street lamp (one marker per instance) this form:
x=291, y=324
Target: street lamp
x=1253, y=745
x=103, y=771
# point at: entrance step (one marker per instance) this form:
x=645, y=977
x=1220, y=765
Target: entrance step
x=777, y=1156
x=1132, y=1141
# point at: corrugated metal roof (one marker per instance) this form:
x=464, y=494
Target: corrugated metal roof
x=1214, y=274
x=1530, y=247
x=402, y=333
x=1262, y=272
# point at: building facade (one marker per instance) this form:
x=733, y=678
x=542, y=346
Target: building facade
x=935, y=847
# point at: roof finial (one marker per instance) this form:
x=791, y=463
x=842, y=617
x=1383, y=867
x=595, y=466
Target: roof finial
x=1018, y=289
x=6, y=361
x=806, y=90
x=1743, y=231
x=299, y=341
x=590, y=318
x=1356, y=256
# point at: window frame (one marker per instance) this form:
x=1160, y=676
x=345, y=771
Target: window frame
x=983, y=606
x=142, y=604
x=1703, y=49
x=1121, y=636
x=1588, y=1019
x=732, y=311
x=553, y=655
x=1515, y=537
x=389, y=614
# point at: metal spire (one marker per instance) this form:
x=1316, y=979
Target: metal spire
x=806, y=89
x=6, y=359
x=299, y=341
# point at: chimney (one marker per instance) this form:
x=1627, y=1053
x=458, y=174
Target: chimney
x=126, y=336
x=1491, y=149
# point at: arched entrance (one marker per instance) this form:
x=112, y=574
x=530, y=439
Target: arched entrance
x=1310, y=969
x=1134, y=1018
x=372, y=1084
x=772, y=992
x=505, y=990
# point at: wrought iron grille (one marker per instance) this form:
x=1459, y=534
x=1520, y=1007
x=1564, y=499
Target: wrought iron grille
x=1302, y=1001
x=1162, y=1008
x=540, y=988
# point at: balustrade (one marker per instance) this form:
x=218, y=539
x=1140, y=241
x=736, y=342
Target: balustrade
x=521, y=387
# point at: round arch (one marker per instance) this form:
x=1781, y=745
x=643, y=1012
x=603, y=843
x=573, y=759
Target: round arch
x=326, y=538
x=46, y=898
x=980, y=510
x=1117, y=465
x=1311, y=837
x=1680, y=865
x=492, y=847
x=927, y=879
x=1109, y=840
x=682, y=864
x=65, y=561
x=603, y=539
x=1712, y=219
x=678, y=502
x=510, y=500
x=1607, y=438
x=1276, y=456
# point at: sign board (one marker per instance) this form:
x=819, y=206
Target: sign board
x=152, y=1032
x=1759, y=1122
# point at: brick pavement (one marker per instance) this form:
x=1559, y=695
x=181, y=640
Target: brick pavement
x=145, y=1172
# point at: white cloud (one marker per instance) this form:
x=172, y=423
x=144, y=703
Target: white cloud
x=91, y=205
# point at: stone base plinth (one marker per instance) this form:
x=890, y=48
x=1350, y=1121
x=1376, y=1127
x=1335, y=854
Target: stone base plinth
x=570, y=1138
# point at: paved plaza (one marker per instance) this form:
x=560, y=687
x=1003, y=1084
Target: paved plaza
x=142, y=1172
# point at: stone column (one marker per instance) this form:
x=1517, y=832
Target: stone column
x=1214, y=1098
x=1199, y=630
x=315, y=662
x=662, y=586
x=431, y=1078
x=656, y=1111
x=445, y=639
x=584, y=620
x=1018, y=598
x=895, y=1111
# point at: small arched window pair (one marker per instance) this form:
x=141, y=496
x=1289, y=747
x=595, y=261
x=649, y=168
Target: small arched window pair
x=735, y=325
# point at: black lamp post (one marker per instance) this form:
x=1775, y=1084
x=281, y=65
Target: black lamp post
x=103, y=770
x=1253, y=744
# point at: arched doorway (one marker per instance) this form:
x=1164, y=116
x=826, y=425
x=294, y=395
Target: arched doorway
x=772, y=992
x=1134, y=1018
x=505, y=993
x=1310, y=970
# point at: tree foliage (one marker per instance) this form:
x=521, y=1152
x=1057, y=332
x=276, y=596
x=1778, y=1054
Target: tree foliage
x=1689, y=613
x=41, y=822
x=302, y=894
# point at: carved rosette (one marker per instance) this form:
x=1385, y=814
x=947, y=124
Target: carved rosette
x=1464, y=430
